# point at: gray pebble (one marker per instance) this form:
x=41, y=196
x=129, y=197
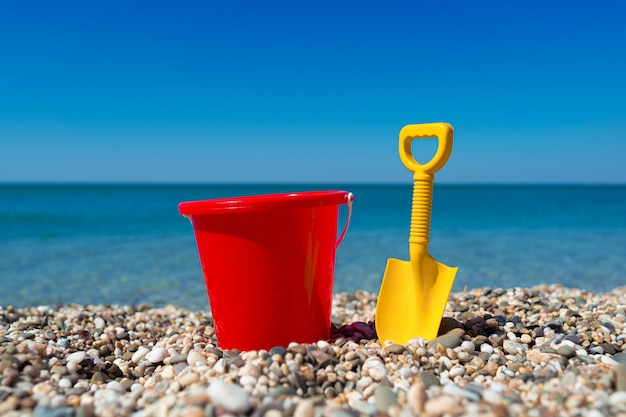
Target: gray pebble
x=428, y=379
x=277, y=350
x=384, y=398
x=514, y=348
x=620, y=357
x=448, y=341
x=566, y=351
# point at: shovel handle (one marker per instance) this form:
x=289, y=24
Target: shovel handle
x=441, y=131
x=423, y=174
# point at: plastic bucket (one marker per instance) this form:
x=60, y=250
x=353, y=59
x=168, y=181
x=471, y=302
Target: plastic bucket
x=268, y=263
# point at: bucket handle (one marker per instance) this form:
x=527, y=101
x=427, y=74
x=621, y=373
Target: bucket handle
x=350, y=199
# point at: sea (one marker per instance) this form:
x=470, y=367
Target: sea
x=126, y=244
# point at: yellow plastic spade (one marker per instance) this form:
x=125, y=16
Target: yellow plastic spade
x=413, y=294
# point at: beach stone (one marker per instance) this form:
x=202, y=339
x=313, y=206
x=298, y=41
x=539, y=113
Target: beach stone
x=617, y=399
x=455, y=390
x=99, y=323
x=468, y=346
x=229, y=397
x=277, y=350
x=384, y=398
x=448, y=324
x=77, y=357
x=620, y=357
x=196, y=359
x=156, y=355
x=514, y=348
x=394, y=348
x=447, y=341
x=609, y=348
x=175, y=359
x=620, y=377
x=188, y=378
x=417, y=397
x=428, y=379
x=53, y=412
x=566, y=351
x=375, y=367
x=486, y=348
x=115, y=386
x=304, y=408
x=443, y=404
x=575, y=339
x=139, y=354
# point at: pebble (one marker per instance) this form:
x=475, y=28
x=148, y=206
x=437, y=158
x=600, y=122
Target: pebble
x=77, y=357
x=446, y=341
x=156, y=355
x=443, y=404
x=620, y=377
x=566, y=351
x=195, y=358
x=514, y=348
x=620, y=357
x=230, y=397
x=384, y=398
x=304, y=408
x=139, y=354
x=375, y=368
x=468, y=346
x=538, y=351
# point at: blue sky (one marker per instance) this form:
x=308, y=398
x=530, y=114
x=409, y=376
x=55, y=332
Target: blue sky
x=310, y=92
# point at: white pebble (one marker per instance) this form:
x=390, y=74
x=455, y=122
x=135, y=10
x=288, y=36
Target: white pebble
x=139, y=354
x=468, y=346
x=65, y=383
x=72, y=366
x=457, y=371
x=230, y=397
x=609, y=361
x=58, y=401
x=137, y=387
x=77, y=357
x=115, y=386
x=617, y=398
x=99, y=323
x=247, y=380
x=375, y=368
x=486, y=348
x=364, y=382
x=156, y=355
x=195, y=358
x=322, y=344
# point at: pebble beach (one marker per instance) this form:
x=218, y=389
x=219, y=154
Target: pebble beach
x=542, y=351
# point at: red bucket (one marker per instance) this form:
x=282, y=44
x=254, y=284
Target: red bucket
x=268, y=263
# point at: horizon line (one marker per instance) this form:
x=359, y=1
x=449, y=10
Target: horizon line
x=298, y=183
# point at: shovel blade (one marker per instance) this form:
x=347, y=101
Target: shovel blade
x=412, y=299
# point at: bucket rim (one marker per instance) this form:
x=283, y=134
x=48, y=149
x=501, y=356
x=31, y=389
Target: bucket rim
x=303, y=199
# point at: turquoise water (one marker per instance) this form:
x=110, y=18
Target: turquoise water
x=127, y=244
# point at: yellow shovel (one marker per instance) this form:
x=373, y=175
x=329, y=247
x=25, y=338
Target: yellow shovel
x=413, y=294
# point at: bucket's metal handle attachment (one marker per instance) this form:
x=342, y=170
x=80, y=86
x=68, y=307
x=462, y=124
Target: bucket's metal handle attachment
x=350, y=199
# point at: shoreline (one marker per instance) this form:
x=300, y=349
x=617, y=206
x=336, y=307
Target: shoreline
x=546, y=350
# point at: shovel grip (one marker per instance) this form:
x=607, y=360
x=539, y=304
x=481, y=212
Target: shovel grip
x=421, y=209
